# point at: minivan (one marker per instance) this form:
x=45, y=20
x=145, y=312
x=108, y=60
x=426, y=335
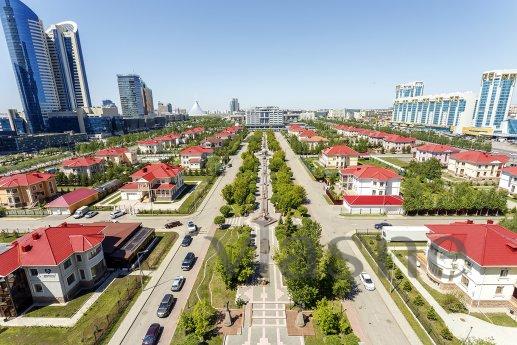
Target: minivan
x=188, y=262
x=81, y=211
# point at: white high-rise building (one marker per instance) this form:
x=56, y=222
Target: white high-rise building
x=265, y=117
x=412, y=89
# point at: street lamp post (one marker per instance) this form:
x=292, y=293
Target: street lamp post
x=140, y=268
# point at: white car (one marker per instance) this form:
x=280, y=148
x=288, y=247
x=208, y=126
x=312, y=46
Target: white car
x=367, y=281
x=191, y=227
x=177, y=283
x=117, y=213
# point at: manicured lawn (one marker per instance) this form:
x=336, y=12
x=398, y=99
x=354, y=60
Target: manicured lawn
x=154, y=259
x=396, y=161
x=195, y=198
x=195, y=178
x=110, y=305
x=208, y=281
x=115, y=200
x=67, y=310
x=500, y=319
x=374, y=162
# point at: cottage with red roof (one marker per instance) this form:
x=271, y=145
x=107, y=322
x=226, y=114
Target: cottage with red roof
x=373, y=204
x=194, y=157
x=440, y=152
x=69, y=202
x=397, y=143
x=370, y=180
x=338, y=156
x=314, y=141
x=508, y=179
x=151, y=146
x=477, y=165
x=26, y=190
x=170, y=140
x=479, y=260
x=295, y=128
x=117, y=155
x=191, y=133
x=154, y=182
x=86, y=165
x=212, y=142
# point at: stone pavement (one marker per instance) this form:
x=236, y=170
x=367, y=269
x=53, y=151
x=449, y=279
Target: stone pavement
x=463, y=325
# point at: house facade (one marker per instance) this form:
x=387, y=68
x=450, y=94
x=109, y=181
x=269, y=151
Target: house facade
x=370, y=180
x=154, y=182
x=86, y=165
x=480, y=260
x=117, y=155
x=397, y=143
x=150, y=146
x=194, y=157
x=440, y=152
x=508, y=180
x=26, y=190
x=477, y=165
x=338, y=156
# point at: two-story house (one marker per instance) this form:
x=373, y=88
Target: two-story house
x=154, y=182
x=117, y=155
x=440, y=152
x=480, y=260
x=397, y=143
x=338, y=156
x=477, y=165
x=151, y=146
x=194, y=157
x=508, y=179
x=86, y=165
x=370, y=180
x=26, y=190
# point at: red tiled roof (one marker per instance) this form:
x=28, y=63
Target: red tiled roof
x=194, y=130
x=169, y=137
x=166, y=186
x=314, y=139
x=340, y=150
x=149, y=142
x=195, y=151
x=479, y=157
x=114, y=151
x=194, y=160
x=510, y=171
x=437, y=148
x=130, y=186
x=85, y=161
x=377, y=134
x=49, y=246
x=307, y=133
x=156, y=170
x=295, y=128
x=371, y=172
x=486, y=244
x=71, y=198
x=25, y=180
x=394, y=138
x=373, y=200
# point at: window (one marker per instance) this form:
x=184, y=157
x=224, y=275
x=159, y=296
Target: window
x=94, y=253
x=71, y=279
x=38, y=288
x=78, y=257
x=465, y=281
x=67, y=263
x=98, y=269
x=504, y=273
x=83, y=276
x=499, y=290
x=468, y=264
x=34, y=272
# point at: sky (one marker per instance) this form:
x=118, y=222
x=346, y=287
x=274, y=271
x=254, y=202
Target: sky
x=290, y=53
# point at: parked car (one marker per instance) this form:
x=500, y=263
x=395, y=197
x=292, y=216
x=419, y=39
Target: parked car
x=187, y=240
x=172, y=224
x=188, y=262
x=91, y=214
x=177, y=283
x=165, y=307
x=117, y=213
x=379, y=226
x=191, y=227
x=367, y=281
x=153, y=334
x=81, y=212
x=224, y=226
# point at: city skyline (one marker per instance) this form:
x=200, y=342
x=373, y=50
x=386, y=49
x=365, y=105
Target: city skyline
x=315, y=69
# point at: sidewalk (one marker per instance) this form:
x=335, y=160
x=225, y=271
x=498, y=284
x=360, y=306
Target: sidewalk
x=61, y=321
x=460, y=324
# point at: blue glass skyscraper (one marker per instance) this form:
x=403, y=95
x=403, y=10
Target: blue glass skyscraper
x=412, y=89
x=27, y=44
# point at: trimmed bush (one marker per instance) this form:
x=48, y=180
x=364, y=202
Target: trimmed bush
x=431, y=314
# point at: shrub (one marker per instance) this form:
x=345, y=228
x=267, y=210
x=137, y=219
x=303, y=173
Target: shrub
x=452, y=304
x=226, y=211
x=418, y=301
x=407, y=286
x=431, y=314
x=303, y=210
x=218, y=220
x=398, y=274
x=446, y=334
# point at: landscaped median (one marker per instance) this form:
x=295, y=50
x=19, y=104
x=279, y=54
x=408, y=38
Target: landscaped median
x=94, y=327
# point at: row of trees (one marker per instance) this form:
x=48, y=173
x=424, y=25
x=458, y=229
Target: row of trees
x=287, y=196
x=112, y=171
x=426, y=193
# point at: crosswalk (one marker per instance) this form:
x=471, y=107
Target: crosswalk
x=235, y=221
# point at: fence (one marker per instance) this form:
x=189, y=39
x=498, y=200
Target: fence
x=28, y=212
x=422, y=319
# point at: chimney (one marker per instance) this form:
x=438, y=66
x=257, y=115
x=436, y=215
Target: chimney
x=470, y=221
x=26, y=248
x=35, y=235
x=490, y=221
x=145, y=169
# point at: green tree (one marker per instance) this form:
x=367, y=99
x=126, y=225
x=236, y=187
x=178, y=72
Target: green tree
x=327, y=319
x=203, y=315
x=226, y=211
x=218, y=220
x=213, y=165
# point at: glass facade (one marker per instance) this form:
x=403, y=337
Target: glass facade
x=413, y=89
x=27, y=45
x=131, y=90
x=494, y=98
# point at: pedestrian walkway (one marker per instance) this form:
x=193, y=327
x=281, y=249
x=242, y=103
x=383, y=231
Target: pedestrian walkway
x=463, y=325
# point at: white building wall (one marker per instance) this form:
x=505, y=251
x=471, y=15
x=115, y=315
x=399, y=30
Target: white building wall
x=508, y=182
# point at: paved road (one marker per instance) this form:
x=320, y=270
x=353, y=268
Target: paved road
x=379, y=319
x=147, y=314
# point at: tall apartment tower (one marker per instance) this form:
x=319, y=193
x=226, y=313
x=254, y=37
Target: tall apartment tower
x=136, y=99
x=495, y=97
x=412, y=89
x=30, y=57
x=234, y=105
x=68, y=65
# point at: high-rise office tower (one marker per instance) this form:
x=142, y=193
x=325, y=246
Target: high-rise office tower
x=495, y=97
x=234, y=105
x=169, y=108
x=136, y=99
x=108, y=103
x=68, y=65
x=413, y=89
x=27, y=45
